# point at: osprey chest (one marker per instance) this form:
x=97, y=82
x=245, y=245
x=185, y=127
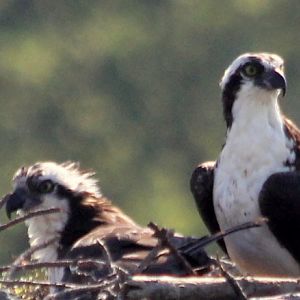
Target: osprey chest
x=251, y=154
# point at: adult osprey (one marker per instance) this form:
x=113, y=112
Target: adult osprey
x=86, y=217
x=257, y=172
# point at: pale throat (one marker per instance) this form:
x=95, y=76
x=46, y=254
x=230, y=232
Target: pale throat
x=257, y=124
x=256, y=139
x=41, y=230
x=256, y=108
x=44, y=228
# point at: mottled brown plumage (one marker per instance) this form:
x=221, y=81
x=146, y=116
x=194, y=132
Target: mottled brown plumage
x=87, y=220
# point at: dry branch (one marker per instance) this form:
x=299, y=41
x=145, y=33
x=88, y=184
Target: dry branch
x=19, y=282
x=205, y=241
x=90, y=288
x=29, y=216
x=164, y=236
x=27, y=255
x=282, y=297
x=174, y=288
x=120, y=285
x=54, y=264
x=239, y=293
x=212, y=288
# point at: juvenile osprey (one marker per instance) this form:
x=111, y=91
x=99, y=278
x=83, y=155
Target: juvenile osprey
x=86, y=217
x=257, y=173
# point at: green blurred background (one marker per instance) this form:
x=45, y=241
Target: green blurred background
x=130, y=89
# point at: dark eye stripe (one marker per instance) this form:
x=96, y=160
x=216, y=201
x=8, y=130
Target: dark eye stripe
x=32, y=183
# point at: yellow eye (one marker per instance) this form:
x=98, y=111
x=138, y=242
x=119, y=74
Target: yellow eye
x=46, y=186
x=250, y=70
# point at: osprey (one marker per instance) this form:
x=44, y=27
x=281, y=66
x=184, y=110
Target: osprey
x=257, y=172
x=86, y=217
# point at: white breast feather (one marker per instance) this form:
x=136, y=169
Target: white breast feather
x=255, y=148
x=46, y=227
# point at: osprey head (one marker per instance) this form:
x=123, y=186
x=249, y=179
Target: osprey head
x=254, y=76
x=48, y=184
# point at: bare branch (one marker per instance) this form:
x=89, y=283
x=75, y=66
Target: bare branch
x=150, y=258
x=239, y=293
x=163, y=235
x=28, y=216
x=106, y=256
x=27, y=255
x=54, y=264
x=101, y=285
x=18, y=282
x=194, y=288
x=219, y=235
x=288, y=296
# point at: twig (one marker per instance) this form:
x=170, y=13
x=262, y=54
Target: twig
x=108, y=281
x=202, y=242
x=106, y=256
x=28, y=216
x=164, y=235
x=239, y=293
x=8, y=282
x=27, y=254
x=204, y=288
x=287, y=296
x=151, y=257
x=54, y=264
x=94, y=265
x=121, y=275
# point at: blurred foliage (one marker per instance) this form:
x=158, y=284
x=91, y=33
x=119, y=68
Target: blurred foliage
x=130, y=89
x=28, y=292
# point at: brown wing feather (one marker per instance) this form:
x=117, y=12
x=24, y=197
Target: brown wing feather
x=293, y=132
x=201, y=183
x=127, y=243
x=127, y=246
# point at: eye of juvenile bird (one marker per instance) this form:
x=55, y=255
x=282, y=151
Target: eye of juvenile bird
x=43, y=187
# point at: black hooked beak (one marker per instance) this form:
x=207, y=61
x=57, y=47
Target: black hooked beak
x=14, y=201
x=273, y=80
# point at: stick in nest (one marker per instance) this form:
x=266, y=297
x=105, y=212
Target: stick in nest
x=29, y=216
x=27, y=255
x=164, y=236
x=205, y=241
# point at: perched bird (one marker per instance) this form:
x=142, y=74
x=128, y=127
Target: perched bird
x=86, y=218
x=257, y=172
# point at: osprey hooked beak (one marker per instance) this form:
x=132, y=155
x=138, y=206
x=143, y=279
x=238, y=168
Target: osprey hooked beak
x=273, y=79
x=19, y=199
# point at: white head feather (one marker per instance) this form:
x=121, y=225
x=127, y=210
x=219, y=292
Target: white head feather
x=268, y=59
x=66, y=174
